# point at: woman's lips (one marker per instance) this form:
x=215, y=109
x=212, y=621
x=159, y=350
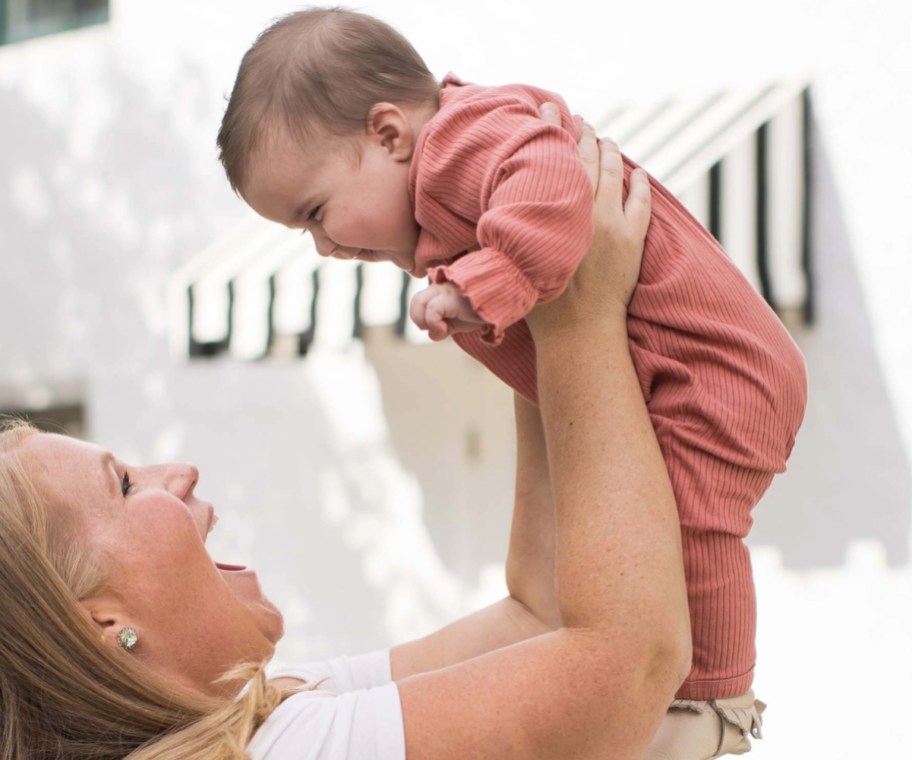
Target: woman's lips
x=211, y=520
x=230, y=568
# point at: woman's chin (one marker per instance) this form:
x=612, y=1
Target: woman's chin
x=270, y=622
x=245, y=585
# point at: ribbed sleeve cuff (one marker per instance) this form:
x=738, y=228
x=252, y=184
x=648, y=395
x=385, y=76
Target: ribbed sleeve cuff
x=498, y=291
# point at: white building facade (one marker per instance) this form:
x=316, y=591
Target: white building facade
x=372, y=485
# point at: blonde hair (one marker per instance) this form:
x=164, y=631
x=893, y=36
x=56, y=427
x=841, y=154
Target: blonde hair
x=315, y=72
x=63, y=692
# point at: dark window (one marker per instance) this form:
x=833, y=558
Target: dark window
x=23, y=19
x=68, y=419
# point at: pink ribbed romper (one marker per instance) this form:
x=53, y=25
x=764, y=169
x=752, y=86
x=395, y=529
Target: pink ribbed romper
x=724, y=382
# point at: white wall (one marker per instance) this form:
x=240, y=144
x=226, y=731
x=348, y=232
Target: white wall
x=110, y=182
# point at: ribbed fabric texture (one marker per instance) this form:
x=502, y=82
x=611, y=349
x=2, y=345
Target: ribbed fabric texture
x=724, y=382
x=489, y=172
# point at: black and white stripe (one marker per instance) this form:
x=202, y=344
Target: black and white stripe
x=739, y=160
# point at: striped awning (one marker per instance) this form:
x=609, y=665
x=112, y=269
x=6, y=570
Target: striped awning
x=739, y=160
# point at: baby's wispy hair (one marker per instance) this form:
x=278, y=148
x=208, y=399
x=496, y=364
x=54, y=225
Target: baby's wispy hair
x=314, y=73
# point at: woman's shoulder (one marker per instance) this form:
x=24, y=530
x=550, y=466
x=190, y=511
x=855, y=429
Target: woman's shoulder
x=315, y=724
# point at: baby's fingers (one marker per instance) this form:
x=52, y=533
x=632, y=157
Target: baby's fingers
x=418, y=308
x=436, y=315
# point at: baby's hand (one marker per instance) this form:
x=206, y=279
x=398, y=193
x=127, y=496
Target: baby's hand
x=441, y=311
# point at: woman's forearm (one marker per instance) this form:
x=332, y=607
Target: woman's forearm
x=531, y=608
x=530, y=562
x=620, y=582
x=619, y=567
x=618, y=547
x=501, y=624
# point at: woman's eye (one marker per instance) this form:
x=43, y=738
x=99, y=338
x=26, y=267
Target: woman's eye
x=125, y=484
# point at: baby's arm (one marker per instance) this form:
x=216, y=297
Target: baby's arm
x=442, y=311
x=522, y=181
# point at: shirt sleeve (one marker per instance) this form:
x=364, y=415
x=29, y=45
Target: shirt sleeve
x=313, y=725
x=534, y=210
x=341, y=674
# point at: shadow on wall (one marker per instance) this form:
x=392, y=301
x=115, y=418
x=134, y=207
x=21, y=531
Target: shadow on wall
x=290, y=504
x=848, y=478
x=100, y=195
x=451, y=423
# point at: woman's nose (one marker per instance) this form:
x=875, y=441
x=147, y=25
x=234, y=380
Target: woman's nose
x=180, y=479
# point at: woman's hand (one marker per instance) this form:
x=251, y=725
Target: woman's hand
x=607, y=277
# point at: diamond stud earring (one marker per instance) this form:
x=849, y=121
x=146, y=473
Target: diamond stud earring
x=127, y=638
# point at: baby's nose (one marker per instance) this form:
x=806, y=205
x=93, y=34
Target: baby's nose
x=345, y=253
x=324, y=245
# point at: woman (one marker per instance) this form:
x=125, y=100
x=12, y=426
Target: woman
x=116, y=626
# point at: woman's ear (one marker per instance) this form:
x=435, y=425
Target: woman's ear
x=389, y=126
x=106, y=615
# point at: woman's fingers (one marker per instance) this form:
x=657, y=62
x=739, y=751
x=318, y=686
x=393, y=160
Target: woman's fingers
x=607, y=276
x=550, y=113
x=619, y=226
x=588, y=147
x=588, y=143
x=638, y=207
x=611, y=180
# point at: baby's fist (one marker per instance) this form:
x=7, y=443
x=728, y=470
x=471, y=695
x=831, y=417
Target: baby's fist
x=442, y=311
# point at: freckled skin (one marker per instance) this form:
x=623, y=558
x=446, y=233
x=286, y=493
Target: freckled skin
x=193, y=620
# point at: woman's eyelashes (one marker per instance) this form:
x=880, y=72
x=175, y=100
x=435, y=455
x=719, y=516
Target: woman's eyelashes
x=126, y=485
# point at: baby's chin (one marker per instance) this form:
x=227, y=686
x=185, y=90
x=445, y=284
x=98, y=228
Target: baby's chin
x=402, y=262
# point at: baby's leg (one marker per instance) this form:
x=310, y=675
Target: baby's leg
x=726, y=388
x=719, y=474
x=720, y=460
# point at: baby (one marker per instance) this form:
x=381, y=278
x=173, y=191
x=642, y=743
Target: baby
x=336, y=126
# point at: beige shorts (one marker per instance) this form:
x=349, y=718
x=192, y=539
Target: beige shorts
x=695, y=730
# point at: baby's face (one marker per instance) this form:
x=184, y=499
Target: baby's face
x=349, y=192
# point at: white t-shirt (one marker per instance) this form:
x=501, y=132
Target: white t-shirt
x=354, y=714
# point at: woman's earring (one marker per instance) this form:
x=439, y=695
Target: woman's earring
x=127, y=638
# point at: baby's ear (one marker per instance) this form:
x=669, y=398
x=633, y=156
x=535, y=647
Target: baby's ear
x=389, y=126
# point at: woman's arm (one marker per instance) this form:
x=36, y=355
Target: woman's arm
x=530, y=561
x=599, y=685
x=531, y=608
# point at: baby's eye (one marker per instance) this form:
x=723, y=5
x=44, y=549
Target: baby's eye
x=126, y=484
x=312, y=214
